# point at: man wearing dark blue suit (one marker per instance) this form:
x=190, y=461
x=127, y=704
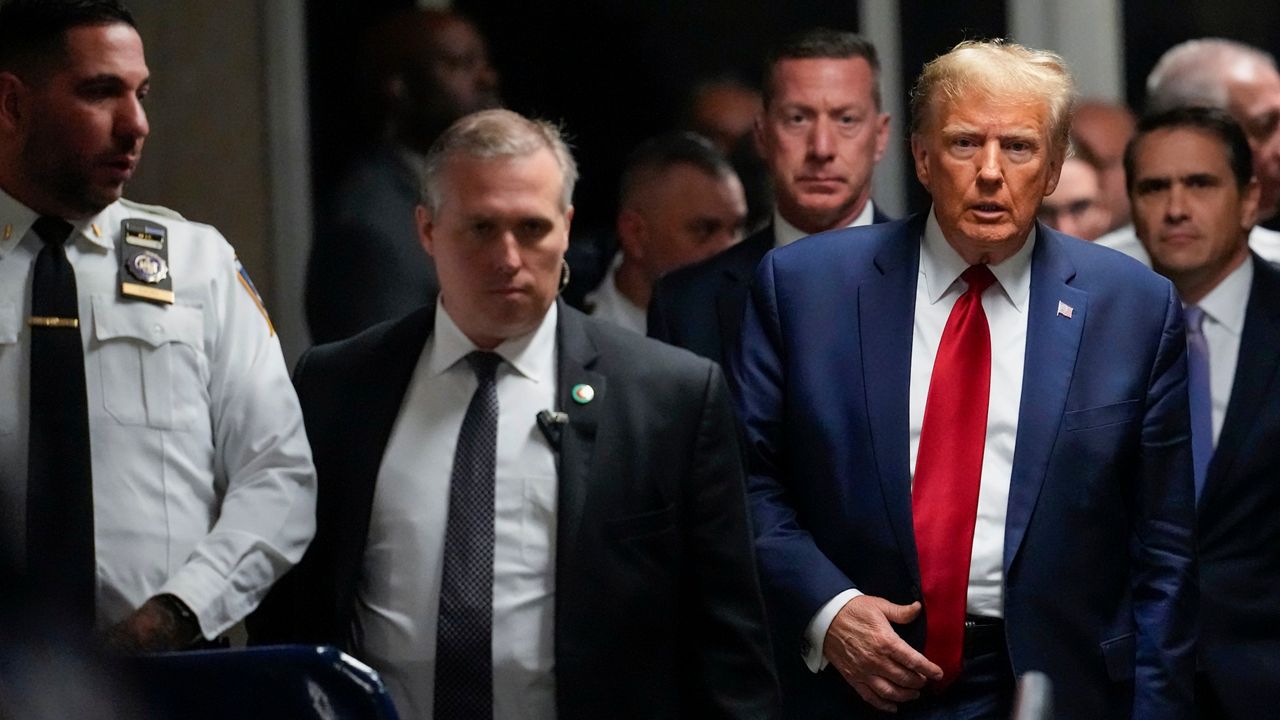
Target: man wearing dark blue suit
x=1195, y=200
x=969, y=438
x=821, y=134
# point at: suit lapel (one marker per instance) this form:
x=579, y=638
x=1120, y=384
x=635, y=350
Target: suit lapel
x=577, y=359
x=1053, y=341
x=1255, y=370
x=886, y=307
x=731, y=297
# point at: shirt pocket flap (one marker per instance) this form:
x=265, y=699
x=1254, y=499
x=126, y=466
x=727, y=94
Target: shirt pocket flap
x=152, y=324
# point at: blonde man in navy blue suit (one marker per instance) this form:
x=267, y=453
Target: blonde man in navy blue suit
x=620, y=567
x=968, y=436
x=1195, y=199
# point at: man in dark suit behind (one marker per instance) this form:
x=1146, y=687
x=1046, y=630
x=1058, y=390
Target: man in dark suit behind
x=558, y=530
x=821, y=134
x=1195, y=199
x=422, y=69
x=968, y=436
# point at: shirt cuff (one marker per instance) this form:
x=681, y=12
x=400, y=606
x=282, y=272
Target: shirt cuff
x=816, y=634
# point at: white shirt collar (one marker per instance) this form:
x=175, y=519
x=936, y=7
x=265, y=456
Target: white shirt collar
x=532, y=354
x=784, y=233
x=1227, y=303
x=942, y=266
x=16, y=220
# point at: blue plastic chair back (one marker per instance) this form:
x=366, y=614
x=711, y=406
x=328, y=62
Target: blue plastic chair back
x=301, y=682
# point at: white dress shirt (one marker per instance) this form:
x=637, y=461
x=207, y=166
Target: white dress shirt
x=1005, y=303
x=203, y=485
x=1224, y=310
x=608, y=303
x=784, y=233
x=398, y=595
x=1261, y=240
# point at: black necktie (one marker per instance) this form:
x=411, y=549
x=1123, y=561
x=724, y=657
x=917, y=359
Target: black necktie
x=464, y=629
x=60, y=560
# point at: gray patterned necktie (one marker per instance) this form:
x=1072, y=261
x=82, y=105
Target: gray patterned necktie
x=464, y=628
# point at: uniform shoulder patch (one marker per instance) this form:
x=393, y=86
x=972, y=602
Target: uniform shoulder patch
x=243, y=276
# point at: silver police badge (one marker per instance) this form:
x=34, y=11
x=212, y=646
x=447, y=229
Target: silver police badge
x=148, y=267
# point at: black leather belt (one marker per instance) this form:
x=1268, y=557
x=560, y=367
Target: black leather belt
x=983, y=636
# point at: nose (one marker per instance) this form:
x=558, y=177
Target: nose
x=131, y=120
x=989, y=163
x=1175, y=210
x=822, y=141
x=507, y=254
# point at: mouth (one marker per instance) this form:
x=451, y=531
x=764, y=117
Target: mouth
x=120, y=167
x=988, y=210
x=826, y=183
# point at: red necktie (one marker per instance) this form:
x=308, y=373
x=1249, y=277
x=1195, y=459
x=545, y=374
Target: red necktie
x=944, y=495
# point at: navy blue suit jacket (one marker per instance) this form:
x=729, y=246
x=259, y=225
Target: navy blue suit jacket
x=699, y=308
x=1099, y=576
x=1239, y=530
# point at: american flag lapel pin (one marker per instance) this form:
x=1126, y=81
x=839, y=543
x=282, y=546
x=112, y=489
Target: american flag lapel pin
x=1064, y=310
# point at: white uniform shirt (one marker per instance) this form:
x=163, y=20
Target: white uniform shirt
x=1005, y=304
x=398, y=595
x=202, y=478
x=608, y=303
x=1224, y=310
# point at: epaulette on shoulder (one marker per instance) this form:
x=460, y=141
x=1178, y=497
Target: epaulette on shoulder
x=153, y=209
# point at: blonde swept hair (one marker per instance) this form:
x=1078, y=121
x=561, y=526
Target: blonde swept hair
x=998, y=70
x=490, y=134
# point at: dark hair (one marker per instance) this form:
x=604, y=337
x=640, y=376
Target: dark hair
x=32, y=31
x=1213, y=121
x=659, y=153
x=822, y=43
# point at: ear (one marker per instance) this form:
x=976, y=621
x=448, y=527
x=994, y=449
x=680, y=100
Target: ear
x=1249, y=196
x=1055, y=171
x=757, y=133
x=882, y=134
x=12, y=95
x=920, y=154
x=632, y=232
x=425, y=229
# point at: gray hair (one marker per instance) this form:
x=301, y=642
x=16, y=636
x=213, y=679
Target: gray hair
x=490, y=134
x=1193, y=73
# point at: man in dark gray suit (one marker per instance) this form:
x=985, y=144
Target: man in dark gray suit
x=1195, y=199
x=425, y=69
x=523, y=511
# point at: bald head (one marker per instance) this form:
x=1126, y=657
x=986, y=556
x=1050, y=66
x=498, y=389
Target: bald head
x=1231, y=76
x=1099, y=132
x=426, y=69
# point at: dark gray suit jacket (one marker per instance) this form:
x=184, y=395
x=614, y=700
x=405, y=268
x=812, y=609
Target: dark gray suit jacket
x=658, y=608
x=1239, y=521
x=366, y=263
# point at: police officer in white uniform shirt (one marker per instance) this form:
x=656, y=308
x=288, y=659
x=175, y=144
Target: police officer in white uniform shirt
x=179, y=484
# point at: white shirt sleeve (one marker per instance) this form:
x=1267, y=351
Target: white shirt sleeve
x=262, y=462
x=815, y=635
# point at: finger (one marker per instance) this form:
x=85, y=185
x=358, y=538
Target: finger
x=900, y=614
x=900, y=675
x=890, y=692
x=910, y=659
x=873, y=699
